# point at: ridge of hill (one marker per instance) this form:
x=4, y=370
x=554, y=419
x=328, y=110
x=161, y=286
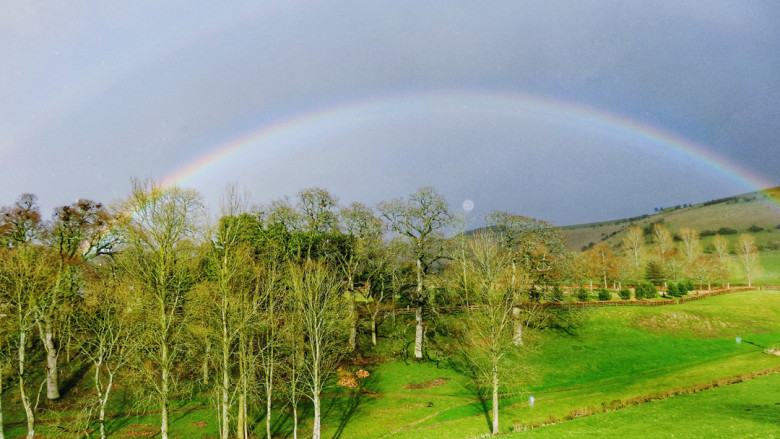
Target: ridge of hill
x=756, y=213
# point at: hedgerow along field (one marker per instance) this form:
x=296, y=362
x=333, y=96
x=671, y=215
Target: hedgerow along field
x=616, y=357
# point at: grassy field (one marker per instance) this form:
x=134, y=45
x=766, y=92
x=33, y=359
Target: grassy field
x=746, y=410
x=616, y=356
x=750, y=209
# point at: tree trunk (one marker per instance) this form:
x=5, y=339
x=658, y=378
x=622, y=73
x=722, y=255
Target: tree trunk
x=164, y=393
x=315, y=434
x=52, y=385
x=418, y=338
x=352, y=316
x=373, y=329
x=495, y=400
x=518, y=338
x=205, y=365
x=225, y=433
x=22, y=393
x=103, y=403
x=2, y=434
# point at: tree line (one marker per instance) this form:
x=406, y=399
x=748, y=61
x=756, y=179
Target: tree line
x=259, y=307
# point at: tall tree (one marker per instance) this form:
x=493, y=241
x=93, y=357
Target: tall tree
x=105, y=325
x=365, y=233
x=665, y=253
x=634, y=247
x=489, y=331
x=420, y=219
x=721, y=247
x=323, y=316
x=748, y=255
x=229, y=278
x=21, y=222
x=160, y=227
x=690, y=246
x=602, y=263
x=25, y=272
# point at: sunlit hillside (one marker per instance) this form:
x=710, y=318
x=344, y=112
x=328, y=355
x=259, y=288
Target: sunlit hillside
x=745, y=213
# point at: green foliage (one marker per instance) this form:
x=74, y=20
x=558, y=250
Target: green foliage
x=556, y=294
x=645, y=290
x=755, y=229
x=672, y=290
x=727, y=231
x=682, y=288
x=654, y=272
x=625, y=294
x=604, y=294
x=581, y=294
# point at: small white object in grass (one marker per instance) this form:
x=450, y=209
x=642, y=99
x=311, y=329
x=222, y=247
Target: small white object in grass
x=531, y=401
x=468, y=205
x=739, y=340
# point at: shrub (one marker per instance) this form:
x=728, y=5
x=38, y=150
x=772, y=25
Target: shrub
x=682, y=289
x=604, y=294
x=689, y=286
x=582, y=294
x=556, y=294
x=755, y=229
x=625, y=294
x=672, y=290
x=645, y=290
x=707, y=233
x=726, y=231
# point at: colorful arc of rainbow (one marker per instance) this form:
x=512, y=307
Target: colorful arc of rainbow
x=352, y=112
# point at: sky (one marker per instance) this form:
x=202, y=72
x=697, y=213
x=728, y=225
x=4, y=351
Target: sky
x=568, y=111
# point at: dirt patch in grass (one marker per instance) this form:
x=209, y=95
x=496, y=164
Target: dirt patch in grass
x=428, y=384
x=683, y=321
x=199, y=424
x=141, y=433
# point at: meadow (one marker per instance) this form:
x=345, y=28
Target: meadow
x=632, y=357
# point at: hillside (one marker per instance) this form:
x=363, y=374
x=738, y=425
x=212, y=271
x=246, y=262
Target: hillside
x=760, y=209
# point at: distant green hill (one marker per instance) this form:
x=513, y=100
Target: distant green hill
x=756, y=213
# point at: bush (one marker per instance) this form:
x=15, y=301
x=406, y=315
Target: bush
x=556, y=294
x=672, y=290
x=726, y=231
x=755, y=229
x=682, y=289
x=625, y=294
x=604, y=294
x=582, y=294
x=645, y=290
x=689, y=286
x=707, y=233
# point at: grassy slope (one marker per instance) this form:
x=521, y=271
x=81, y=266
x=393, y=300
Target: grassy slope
x=620, y=353
x=763, y=212
x=746, y=410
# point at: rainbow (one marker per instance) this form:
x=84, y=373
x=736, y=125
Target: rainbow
x=353, y=113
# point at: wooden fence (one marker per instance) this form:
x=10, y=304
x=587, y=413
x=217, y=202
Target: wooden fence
x=643, y=302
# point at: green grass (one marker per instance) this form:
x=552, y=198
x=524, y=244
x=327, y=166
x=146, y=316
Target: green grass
x=616, y=355
x=747, y=410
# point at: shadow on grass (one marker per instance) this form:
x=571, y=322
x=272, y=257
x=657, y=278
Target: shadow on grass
x=352, y=403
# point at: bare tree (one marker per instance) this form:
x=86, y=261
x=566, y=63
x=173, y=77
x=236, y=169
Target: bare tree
x=161, y=229
x=420, y=219
x=25, y=272
x=748, y=255
x=322, y=312
x=721, y=246
x=105, y=325
x=489, y=332
x=365, y=233
x=634, y=247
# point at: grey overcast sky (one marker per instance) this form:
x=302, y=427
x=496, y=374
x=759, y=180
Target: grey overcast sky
x=570, y=111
